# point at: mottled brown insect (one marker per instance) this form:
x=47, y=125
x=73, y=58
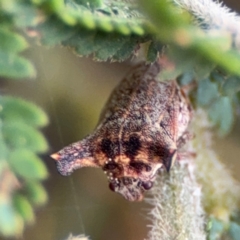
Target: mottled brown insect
x=140, y=130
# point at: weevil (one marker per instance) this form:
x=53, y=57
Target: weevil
x=141, y=129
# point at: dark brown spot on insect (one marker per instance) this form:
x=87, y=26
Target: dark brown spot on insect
x=110, y=166
x=132, y=146
x=158, y=150
x=107, y=147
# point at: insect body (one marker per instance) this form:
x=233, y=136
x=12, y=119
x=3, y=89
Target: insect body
x=140, y=130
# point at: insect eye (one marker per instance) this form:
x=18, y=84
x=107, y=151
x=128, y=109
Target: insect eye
x=147, y=185
x=112, y=186
x=110, y=166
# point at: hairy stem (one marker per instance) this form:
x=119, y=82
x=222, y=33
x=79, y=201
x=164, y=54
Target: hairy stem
x=176, y=212
x=213, y=15
x=221, y=192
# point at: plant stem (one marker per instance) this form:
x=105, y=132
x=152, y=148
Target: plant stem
x=177, y=211
x=213, y=15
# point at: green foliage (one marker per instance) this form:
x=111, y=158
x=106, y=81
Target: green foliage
x=217, y=94
x=10, y=41
x=10, y=221
x=215, y=229
x=22, y=112
x=190, y=42
x=234, y=231
x=20, y=140
x=108, y=32
x=27, y=165
x=221, y=114
x=18, y=135
x=35, y=192
x=218, y=229
x=231, y=86
x=219, y=106
x=234, y=227
x=12, y=65
x=24, y=208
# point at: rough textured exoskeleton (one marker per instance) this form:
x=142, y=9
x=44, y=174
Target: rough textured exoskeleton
x=141, y=129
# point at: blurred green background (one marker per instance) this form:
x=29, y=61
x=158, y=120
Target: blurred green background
x=73, y=91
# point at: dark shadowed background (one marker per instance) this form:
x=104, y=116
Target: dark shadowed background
x=73, y=91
